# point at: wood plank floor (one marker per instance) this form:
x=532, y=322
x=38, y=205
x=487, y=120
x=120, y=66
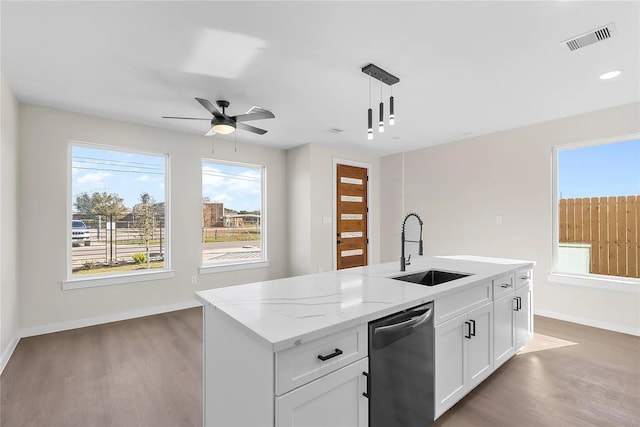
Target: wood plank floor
x=147, y=372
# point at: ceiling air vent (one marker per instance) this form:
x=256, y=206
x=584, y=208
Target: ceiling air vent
x=590, y=37
x=334, y=130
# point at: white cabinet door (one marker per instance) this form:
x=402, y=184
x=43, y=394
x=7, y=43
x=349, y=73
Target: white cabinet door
x=523, y=323
x=480, y=345
x=450, y=366
x=335, y=400
x=503, y=329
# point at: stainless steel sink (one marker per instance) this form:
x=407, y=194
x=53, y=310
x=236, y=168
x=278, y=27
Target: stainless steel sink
x=431, y=277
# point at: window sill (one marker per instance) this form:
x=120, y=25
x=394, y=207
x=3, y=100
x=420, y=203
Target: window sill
x=92, y=282
x=618, y=284
x=210, y=269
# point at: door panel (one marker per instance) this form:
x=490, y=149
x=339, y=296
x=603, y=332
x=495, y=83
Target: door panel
x=351, y=222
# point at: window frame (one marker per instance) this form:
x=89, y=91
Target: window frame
x=107, y=279
x=589, y=280
x=239, y=265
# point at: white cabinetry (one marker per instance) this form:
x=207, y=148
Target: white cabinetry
x=333, y=400
x=315, y=383
x=523, y=316
x=513, y=324
x=463, y=345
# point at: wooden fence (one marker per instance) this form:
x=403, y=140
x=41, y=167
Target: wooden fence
x=610, y=225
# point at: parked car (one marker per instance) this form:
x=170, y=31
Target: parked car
x=80, y=233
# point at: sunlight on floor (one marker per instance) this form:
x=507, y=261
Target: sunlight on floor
x=542, y=342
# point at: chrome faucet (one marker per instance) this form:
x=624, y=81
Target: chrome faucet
x=407, y=261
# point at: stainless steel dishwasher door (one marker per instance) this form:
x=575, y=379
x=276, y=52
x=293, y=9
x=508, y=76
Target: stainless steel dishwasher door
x=401, y=369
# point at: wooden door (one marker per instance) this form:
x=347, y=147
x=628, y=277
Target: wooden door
x=351, y=222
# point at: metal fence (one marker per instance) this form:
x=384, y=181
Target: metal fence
x=114, y=241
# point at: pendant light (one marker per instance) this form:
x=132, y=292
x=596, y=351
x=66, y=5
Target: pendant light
x=389, y=79
x=381, y=122
x=370, y=115
x=392, y=116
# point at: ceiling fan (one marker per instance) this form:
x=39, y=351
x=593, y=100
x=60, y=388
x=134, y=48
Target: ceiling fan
x=224, y=124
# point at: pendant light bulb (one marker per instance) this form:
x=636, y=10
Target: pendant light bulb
x=370, y=124
x=392, y=117
x=381, y=122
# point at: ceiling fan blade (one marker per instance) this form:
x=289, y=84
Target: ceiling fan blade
x=184, y=118
x=210, y=107
x=260, y=115
x=250, y=128
x=210, y=132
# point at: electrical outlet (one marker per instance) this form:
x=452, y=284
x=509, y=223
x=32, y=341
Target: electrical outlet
x=194, y=280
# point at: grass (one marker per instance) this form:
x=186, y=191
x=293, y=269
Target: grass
x=120, y=267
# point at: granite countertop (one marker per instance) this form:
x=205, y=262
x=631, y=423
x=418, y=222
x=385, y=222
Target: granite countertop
x=287, y=312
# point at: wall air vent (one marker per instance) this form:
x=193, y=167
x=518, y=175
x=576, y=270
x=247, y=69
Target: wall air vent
x=590, y=37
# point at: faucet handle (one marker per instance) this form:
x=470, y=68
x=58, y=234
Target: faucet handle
x=408, y=261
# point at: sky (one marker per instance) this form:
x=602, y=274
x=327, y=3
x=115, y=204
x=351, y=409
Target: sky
x=600, y=170
x=130, y=174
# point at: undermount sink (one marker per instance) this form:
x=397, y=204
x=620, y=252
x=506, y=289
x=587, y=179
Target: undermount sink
x=431, y=277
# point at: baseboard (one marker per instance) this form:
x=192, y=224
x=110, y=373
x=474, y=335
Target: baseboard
x=6, y=354
x=107, y=318
x=589, y=322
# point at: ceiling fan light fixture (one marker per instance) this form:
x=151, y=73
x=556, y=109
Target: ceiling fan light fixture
x=224, y=126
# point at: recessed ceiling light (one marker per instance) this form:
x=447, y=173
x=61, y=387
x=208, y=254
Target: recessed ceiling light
x=610, y=74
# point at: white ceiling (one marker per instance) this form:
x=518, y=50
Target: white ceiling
x=465, y=68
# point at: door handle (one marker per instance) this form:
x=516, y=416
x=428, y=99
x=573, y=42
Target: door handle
x=468, y=334
x=473, y=322
x=411, y=323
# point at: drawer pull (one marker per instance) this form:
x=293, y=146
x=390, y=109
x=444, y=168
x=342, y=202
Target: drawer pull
x=525, y=278
x=505, y=285
x=337, y=352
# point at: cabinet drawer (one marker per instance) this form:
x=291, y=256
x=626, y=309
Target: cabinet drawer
x=502, y=286
x=300, y=364
x=523, y=277
x=454, y=305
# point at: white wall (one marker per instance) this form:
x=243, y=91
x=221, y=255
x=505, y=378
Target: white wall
x=43, y=166
x=8, y=221
x=299, y=207
x=460, y=188
x=312, y=198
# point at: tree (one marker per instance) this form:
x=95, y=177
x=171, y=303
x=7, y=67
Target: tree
x=100, y=204
x=144, y=219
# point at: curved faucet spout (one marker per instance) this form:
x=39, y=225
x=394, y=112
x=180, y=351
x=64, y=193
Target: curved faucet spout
x=407, y=261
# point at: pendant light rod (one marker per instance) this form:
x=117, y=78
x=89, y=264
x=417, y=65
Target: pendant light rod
x=380, y=74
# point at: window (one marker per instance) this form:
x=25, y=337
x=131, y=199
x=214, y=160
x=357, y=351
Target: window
x=118, y=207
x=233, y=217
x=597, y=202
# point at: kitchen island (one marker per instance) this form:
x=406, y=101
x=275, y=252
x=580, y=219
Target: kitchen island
x=280, y=352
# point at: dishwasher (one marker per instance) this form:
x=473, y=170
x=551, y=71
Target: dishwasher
x=401, y=369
